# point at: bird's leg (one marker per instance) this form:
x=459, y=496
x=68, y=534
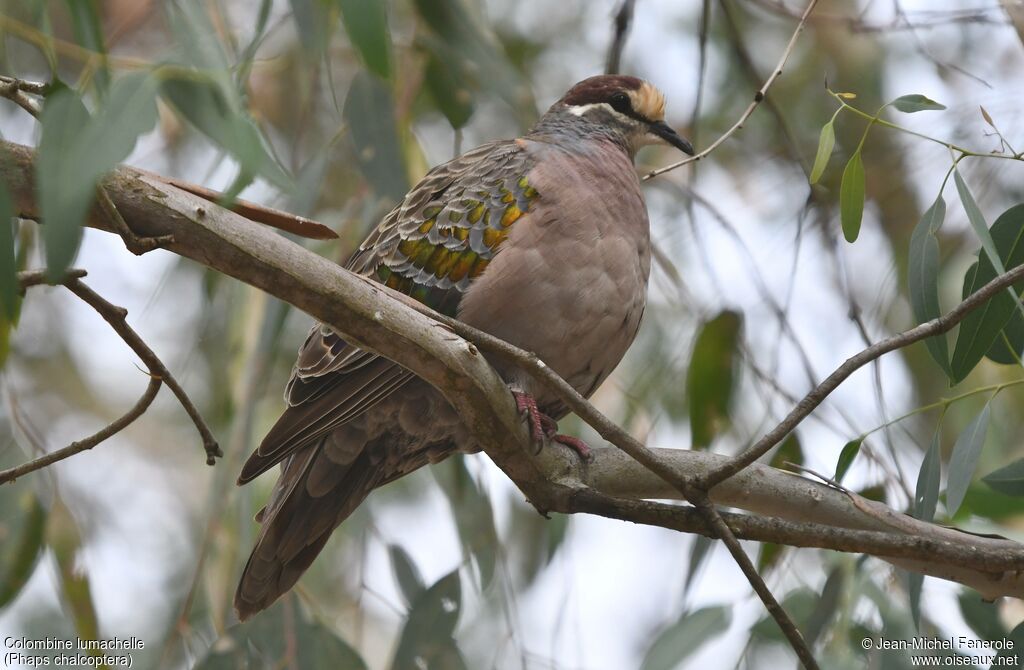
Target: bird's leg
x=526, y=403
x=543, y=426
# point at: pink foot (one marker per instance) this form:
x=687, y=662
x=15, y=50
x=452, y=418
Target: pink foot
x=526, y=403
x=543, y=426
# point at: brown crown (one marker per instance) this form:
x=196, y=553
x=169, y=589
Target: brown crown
x=600, y=88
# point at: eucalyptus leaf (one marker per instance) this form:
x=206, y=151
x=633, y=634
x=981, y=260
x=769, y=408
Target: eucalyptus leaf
x=964, y=460
x=851, y=197
x=684, y=637
x=981, y=329
x=1008, y=480
x=474, y=516
x=846, y=457
x=926, y=494
x=370, y=112
x=922, y=277
x=366, y=23
x=22, y=526
x=915, y=584
x=710, y=380
x=916, y=103
x=826, y=143
x=8, y=263
x=410, y=582
x=430, y=623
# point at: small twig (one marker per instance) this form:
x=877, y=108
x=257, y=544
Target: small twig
x=15, y=89
x=758, y=97
x=136, y=244
x=108, y=431
x=612, y=432
x=789, y=629
x=116, y=317
x=817, y=395
x=623, y=19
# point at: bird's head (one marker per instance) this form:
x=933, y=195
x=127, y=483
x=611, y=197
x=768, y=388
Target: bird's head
x=628, y=107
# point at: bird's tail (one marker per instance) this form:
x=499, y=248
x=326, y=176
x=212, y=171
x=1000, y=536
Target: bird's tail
x=297, y=522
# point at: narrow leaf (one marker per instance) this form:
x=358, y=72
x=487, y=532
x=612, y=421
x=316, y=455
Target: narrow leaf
x=926, y=494
x=985, y=115
x=684, y=637
x=826, y=142
x=430, y=623
x=789, y=452
x=915, y=103
x=65, y=185
x=915, y=583
x=982, y=617
x=846, y=457
x=367, y=26
x=22, y=527
x=980, y=330
x=922, y=277
x=8, y=262
x=851, y=197
x=1008, y=480
x=406, y=574
x=474, y=516
x=699, y=551
x=710, y=378
x=964, y=460
x=370, y=112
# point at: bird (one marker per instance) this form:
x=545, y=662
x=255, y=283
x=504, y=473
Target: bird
x=542, y=241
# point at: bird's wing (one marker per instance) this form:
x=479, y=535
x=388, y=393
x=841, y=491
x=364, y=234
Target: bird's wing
x=430, y=247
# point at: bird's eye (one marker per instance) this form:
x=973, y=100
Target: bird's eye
x=620, y=102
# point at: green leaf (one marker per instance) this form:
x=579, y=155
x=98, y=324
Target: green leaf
x=88, y=29
x=449, y=92
x=826, y=142
x=698, y=554
x=982, y=501
x=430, y=624
x=981, y=328
x=851, y=197
x=65, y=185
x=964, y=460
x=62, y=536
x=846, y=457
x=926, y=494
x=922, y=277
x=680, y=640
x=213, y=109
x=366, y=23
x=799, y=604
x=915, y=584
x=1010, y=655
x=473, y=514
x=262, y=643
x=710, y=378
x=406, y=574
x=312, y=22
x=77, y=149
x=915, y=103
x=769, y=556
x=789, y=452
x=826, y=607
x=8, y=263
x=1008, y=480
x=22, y=527
x=982, y=617
x=369, y=111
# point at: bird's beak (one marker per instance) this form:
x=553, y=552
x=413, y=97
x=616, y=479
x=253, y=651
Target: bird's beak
x=663, y=131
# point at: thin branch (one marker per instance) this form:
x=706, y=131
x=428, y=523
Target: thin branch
x=758, y=98
x=623, y=19
x=108, y=431
x=15, y=90
x=158, y=372
x=817, y=395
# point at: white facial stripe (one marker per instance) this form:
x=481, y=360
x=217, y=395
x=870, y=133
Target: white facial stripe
x=580, y=110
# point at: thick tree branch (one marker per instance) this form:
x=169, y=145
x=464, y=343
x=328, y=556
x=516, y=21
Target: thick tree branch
x=360, y=309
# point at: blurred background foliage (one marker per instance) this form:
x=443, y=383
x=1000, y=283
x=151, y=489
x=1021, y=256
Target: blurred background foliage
x=332, y=109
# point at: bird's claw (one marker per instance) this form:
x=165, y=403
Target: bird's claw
x=544, y=427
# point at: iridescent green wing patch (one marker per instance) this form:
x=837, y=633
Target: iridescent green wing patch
x=450, y=226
